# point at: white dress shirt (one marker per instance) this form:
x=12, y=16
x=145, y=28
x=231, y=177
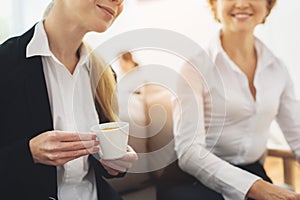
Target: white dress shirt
x=217, y=122
x=73, y=109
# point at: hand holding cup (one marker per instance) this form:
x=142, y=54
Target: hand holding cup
x=59, y=147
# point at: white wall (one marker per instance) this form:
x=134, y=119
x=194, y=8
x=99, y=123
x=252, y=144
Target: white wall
x=189, y=17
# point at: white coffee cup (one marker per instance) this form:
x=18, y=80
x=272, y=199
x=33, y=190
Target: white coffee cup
x=113, y=137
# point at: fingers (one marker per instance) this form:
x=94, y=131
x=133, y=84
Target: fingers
x=69, y=146
x=75, y=154
x=61, y=158
x=130, y=156
x=60, y=161
x=58, y=147
x=72, y=137
x=124, y=163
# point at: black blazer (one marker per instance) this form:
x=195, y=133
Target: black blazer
x=25, y=113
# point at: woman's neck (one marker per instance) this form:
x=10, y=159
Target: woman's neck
x=241, y=50
x=238, y=45
x=64, y=37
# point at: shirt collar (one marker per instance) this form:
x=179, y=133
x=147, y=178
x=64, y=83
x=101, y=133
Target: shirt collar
x=265, y=55
x=39, y=46
x=84, y=56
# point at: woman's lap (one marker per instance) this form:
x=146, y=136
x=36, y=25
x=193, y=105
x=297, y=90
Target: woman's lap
x=195, y=191
x=190, y=188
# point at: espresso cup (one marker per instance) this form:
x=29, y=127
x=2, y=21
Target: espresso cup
x=113, y=138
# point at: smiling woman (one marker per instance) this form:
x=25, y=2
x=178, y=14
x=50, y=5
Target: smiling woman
x=109, y=11
x=224, y=164
x=53, y=71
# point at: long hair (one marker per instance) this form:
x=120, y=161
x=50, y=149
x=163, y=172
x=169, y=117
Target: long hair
x=103, y=86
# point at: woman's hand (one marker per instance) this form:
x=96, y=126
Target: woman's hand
x=58, y=147
x=262, y=190
x=121, y=165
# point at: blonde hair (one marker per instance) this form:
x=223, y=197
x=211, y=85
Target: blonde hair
x=102, y=78
x=270, y=6
x=103, y=86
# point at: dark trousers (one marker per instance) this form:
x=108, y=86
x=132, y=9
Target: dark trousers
x=183, y=186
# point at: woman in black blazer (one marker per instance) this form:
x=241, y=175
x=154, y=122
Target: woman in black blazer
x=31, y=150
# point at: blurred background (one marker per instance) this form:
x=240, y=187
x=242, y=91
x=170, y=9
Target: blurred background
x=191, y=18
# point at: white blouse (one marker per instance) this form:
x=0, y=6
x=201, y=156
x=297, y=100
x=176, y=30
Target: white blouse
x=217, y=122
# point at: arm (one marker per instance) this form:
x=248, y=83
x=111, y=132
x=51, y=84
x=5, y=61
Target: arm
x=15, y=130
x=11, y=155
x=189, y=132
x=288, y=115
x=18, y=169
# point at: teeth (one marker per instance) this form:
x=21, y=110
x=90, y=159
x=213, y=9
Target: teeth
x=241, y=15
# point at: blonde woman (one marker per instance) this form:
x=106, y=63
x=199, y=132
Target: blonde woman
x=222, y=154
x=48, y=106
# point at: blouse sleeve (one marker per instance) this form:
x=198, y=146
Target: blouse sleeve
x=288, y=115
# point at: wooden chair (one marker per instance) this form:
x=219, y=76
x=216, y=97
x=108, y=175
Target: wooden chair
x=289, y=165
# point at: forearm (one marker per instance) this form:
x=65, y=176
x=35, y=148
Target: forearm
x=17, y=166
x=15, y=154
x=217, y=174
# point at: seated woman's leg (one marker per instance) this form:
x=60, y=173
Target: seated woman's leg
x=178, y=185
x=192, y=191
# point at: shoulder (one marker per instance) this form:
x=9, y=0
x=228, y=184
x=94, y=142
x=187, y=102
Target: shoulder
x=15, y=44
x=8, y=48
x=13, y=57
x=13, y=49
x=267, y=55
x=274, y=63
